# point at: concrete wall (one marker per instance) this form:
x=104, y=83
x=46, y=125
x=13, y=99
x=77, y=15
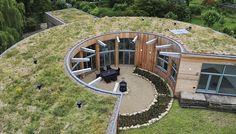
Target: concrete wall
x=52, y=21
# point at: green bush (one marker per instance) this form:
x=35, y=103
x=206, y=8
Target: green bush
x=211, y=17
x=227, y=31
x=195, y=9
x=31, y=25
x=171, y=15
x=86, y=6
x=60, y=4
x=120, y=7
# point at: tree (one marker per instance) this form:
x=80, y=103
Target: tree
x=171, y=15
x=11, y=23
x=210, y=17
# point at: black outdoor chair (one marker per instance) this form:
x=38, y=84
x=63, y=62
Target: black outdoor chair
x=108, y=67
x=102, y=69
x=114, y=78
x=107, y=80
x=98, y=75
x=118, y=71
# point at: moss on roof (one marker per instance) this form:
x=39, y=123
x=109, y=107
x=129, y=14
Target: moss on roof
x=53, y=109
x=71, y=15
x=200, y=40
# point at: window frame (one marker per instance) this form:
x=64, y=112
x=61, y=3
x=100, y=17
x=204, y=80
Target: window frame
x=221, y=75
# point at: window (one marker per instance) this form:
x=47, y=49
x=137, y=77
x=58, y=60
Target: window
x=126, y=51
x=219, y=79
x=126, y=44
x=162, y=62
x=174, y=71
x=107, y=58
x=110, y=45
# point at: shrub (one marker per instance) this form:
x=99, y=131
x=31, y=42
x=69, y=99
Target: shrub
x=86, y=6
x=183, y=13
x=60, y=4
x=210, y=17
x=227, y=31
x=31, y=24
x=222, y=20
x=119, y=7
x=196, y=10
x=171, y=15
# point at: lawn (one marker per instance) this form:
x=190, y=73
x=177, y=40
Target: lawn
x=229, y=17
x=190, y=121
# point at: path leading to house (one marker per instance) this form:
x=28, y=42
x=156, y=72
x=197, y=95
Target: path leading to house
x=140, y=92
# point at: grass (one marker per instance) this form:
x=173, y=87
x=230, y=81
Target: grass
x=24, y=109
x=190, y=121
x=71, y=15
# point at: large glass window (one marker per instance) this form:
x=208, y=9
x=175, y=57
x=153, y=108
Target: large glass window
x=107, y=54
x=110, y=45
x=126, y=57
x=126, y=44
x=162, y=62
x=174, y=71
x=217, y=78
x=107, y=58
x=126, y=51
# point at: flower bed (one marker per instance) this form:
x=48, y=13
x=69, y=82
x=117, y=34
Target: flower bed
x=155, y=112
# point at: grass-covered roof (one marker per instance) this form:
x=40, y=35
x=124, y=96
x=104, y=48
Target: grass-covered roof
x=23, y=108
x=200, y=40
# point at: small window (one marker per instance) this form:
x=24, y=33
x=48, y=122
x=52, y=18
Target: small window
x=162, y=62
x=174, y=71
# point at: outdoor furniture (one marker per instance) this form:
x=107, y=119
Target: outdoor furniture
x=102, y=69
x=118, y=71
x=108, y=67
x=109, y=75
x=123, y=86
x=97, y=75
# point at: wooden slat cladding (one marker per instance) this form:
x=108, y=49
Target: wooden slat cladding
x=145, y=55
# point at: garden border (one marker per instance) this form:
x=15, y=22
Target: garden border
x=153, y=120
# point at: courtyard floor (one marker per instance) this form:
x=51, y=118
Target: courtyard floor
x=140, y=92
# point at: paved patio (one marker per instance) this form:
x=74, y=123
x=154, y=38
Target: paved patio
x=140, y=92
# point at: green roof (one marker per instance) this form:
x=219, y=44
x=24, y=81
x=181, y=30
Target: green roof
x=23, y=108
x=199, y=40
x=53, y=109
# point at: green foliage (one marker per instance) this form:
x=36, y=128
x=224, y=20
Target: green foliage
x=222, y=20
x=195, y=9
x=120, y=7
x=227, y=31
x=171, y=15
x=11, y=23
x=183, y=13
x=60, y=4
x=87, y=6
x=210, y=17
x=30, y=24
